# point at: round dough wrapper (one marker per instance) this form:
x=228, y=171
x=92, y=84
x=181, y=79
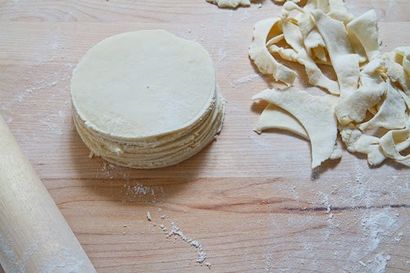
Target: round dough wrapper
x=143, y=84
x=146, y=99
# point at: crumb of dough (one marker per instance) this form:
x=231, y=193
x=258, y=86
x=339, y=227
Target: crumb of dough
x=230, y=3
x=149, y=218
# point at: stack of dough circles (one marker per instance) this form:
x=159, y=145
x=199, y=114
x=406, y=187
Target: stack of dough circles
x=146, y=99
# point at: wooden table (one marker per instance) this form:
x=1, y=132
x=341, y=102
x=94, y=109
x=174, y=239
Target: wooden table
x=251, y=201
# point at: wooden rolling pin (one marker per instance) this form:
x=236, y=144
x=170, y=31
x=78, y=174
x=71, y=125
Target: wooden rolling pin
x=34, y=237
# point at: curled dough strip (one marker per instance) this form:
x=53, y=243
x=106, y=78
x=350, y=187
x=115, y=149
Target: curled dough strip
x=274, y=117
x=294, y=38
x=364, y=29
x=356, y=142
x=395, y=141
x=395, y=70
x=315, y=113
x=403, y=57
x=316, y=47
x=346, y=64
x=391, y=115
x=353, y=108
x=261, y=56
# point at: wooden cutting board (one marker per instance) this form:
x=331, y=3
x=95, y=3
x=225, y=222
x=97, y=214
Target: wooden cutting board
x=251, y=201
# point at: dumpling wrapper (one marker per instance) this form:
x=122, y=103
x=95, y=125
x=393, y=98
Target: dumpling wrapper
x=345, y=63
x=315, y=113
x=111, y=100
x=230, y=3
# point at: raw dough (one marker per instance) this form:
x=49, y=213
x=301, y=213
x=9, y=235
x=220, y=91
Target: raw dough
x=395, y=141
x=315, y=114
x=144, y=83
x=274, y=117
x=357, y=142
x=146, y=99
x=261, y=56
x=230, y=3
x=294, y=38
x=345, y=63
x=364, y=29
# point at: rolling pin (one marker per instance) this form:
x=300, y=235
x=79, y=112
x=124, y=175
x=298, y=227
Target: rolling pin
x=34, y=236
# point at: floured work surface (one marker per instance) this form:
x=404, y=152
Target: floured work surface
x=251, y=201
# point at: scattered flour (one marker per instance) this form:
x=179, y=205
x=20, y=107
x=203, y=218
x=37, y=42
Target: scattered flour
x=378, y=225
x=378, y=264
x=141, y=192
x=246, y=79
x=398, y=237
x=246, y=15
x=174, y=231
x=177, y=232
x=221, y=54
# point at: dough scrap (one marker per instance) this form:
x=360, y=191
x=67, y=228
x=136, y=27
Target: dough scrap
x=294, y=38
x=315, y=113
x=364, y=29
x=338, y=11
x=357, y=142
x=345, y=63
x=402, y=56
x=230, y=3
x=274, y=117
x=353, y=108
x=394, y=141
x=392, y=113
x=395, y=71
x=316, y=47
x=261, y=56
x=372, y=90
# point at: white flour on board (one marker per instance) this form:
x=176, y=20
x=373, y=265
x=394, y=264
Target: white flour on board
x=31, y=86
x=351, y=221
x=174, y=231
x=63, y=261
x=246, y=79
x=378, y=264
x=221, y=54
x=141, y=192
x=177, y=232
x=377, y=225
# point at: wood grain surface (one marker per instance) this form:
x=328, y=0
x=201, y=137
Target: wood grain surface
x=251, y=201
